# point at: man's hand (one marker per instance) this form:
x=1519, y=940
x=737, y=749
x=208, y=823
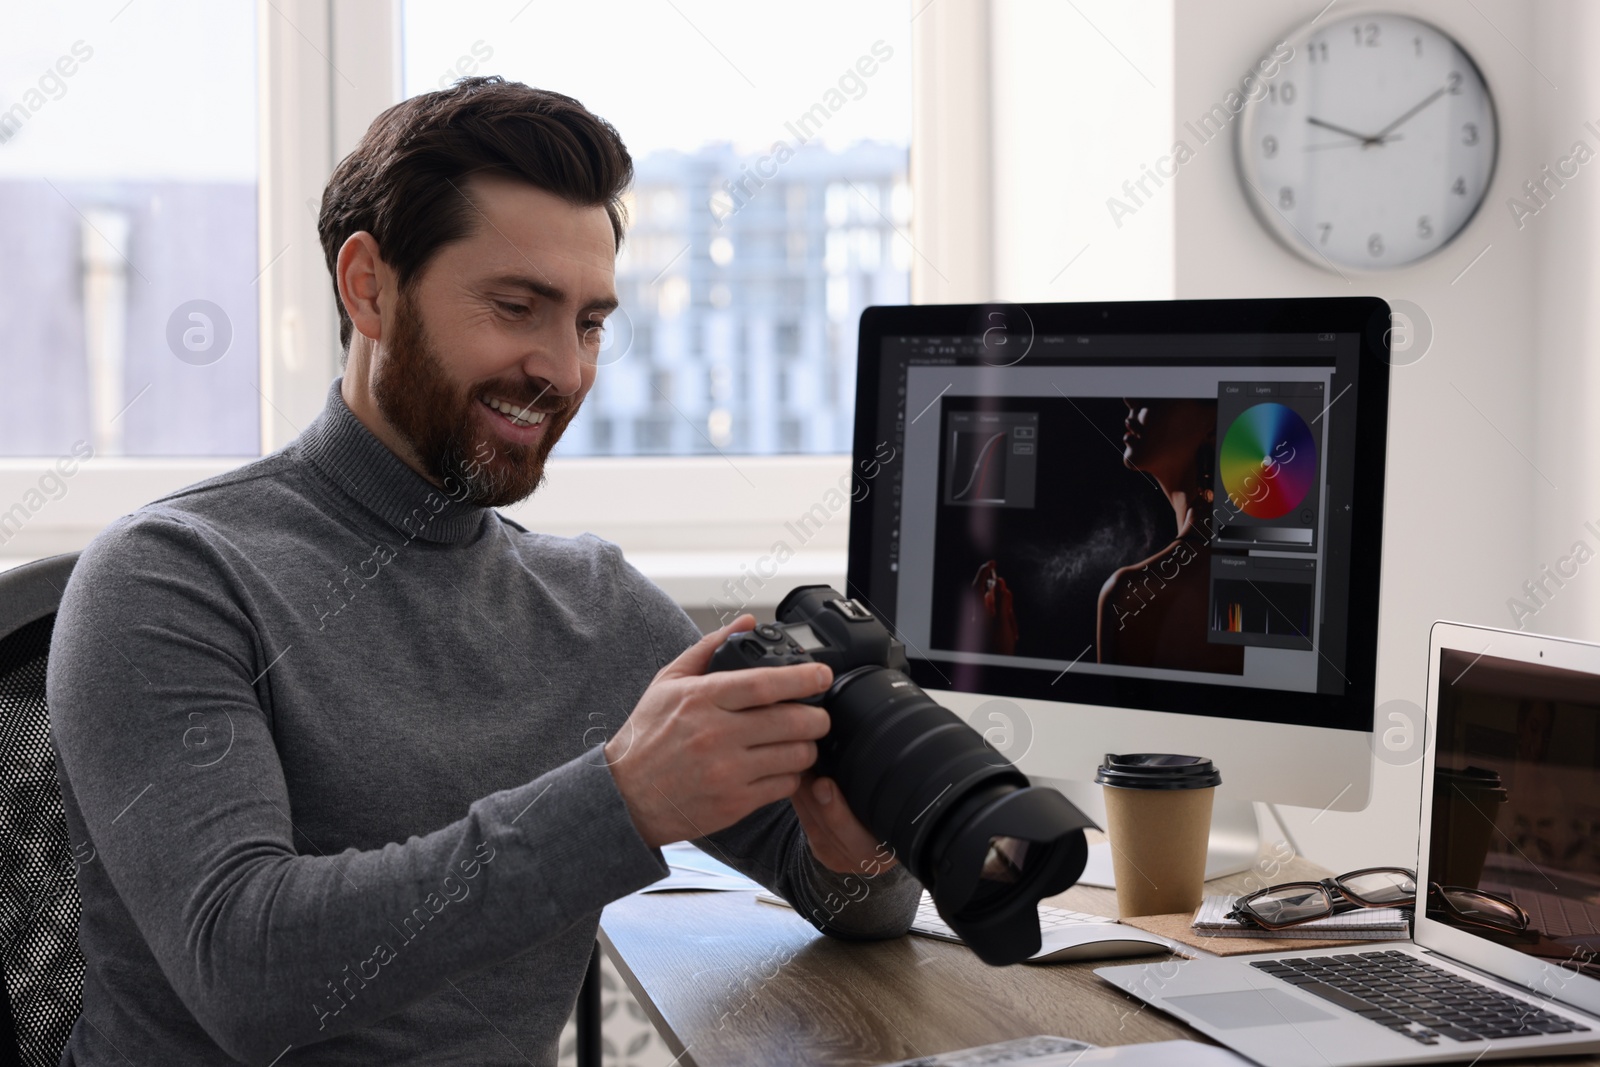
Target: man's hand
x=701, y=751
x=837, y=838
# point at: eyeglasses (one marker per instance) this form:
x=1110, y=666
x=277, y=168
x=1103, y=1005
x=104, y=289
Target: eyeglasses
x=1292, y=903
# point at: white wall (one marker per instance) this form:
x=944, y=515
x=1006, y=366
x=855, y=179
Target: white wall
x=1082, y=96
x=1085, y=95
x=1567, y=330
x=1469, y=510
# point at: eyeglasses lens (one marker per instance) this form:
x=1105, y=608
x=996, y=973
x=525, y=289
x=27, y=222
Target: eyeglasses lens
x=1381, y=887
x=1291, y=904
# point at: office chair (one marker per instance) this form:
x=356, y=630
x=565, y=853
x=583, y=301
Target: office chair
x=589, y=1048
x=41, y=970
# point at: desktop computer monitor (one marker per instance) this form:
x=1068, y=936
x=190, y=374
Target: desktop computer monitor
x=1134, y=527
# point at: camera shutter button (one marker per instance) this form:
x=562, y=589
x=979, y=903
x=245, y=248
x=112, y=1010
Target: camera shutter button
x=769, y=631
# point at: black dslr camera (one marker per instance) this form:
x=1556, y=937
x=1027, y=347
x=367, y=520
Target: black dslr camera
x=985, y=843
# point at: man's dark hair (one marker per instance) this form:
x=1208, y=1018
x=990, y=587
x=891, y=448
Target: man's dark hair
x=405, y=182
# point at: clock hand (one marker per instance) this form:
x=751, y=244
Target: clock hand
x=1436, y=94
x=1363, y=138
x=1349, y=144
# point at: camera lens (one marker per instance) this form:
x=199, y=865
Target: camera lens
x=986, y=844
x=1005, y=861
x=1004, y=868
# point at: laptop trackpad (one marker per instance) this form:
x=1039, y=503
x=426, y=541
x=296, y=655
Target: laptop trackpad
x=1251, y=1007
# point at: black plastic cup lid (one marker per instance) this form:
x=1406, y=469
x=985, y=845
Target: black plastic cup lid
x=1474, y=779
x=1469, y=774
x=1156, y=770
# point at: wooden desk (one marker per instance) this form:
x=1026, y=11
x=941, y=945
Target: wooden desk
x=730, y=981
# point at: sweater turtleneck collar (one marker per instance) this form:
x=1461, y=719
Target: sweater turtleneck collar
x=356, y=464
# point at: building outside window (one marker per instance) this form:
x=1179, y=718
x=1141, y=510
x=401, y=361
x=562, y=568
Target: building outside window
x=771, y=203
x=129, y=311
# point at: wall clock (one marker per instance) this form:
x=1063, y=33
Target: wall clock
x=1372, y=146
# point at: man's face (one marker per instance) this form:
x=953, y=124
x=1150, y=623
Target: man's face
x=486, y=358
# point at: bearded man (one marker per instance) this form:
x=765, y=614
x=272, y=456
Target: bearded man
x=358, y=760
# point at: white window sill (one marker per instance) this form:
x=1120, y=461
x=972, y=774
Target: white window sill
x=690, y=524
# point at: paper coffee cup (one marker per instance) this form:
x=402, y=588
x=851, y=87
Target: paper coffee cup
x=1158, y=820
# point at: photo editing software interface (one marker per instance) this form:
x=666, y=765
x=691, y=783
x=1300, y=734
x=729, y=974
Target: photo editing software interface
x=1166, y=508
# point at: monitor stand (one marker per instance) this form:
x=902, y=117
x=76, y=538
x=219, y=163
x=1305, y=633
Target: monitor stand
x=1235, y=846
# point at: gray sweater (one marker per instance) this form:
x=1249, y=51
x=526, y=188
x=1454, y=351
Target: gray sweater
x=329, y=744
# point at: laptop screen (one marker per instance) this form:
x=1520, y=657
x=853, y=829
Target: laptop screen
x=1516, y=807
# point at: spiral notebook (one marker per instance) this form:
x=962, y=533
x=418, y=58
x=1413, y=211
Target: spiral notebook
x=1363, y=924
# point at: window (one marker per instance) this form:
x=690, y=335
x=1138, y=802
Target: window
x=703, y=89
x=770, y=203
x=130, y=203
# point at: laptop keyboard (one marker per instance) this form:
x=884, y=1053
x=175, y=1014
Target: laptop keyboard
x=1410, y=997
x=928, y=924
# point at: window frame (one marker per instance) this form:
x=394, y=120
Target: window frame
x=691, y=523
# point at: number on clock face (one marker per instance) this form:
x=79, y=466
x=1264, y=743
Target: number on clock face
x=1372, y=146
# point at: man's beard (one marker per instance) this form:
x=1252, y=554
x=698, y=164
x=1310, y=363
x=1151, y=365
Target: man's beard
x=418, y=399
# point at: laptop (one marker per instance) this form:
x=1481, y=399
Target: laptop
x=1511, y=808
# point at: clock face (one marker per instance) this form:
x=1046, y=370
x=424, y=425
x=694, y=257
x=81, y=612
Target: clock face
x=1372, y=145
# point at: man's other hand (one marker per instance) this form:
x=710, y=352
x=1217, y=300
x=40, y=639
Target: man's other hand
x=701, y=751
x=837, y=838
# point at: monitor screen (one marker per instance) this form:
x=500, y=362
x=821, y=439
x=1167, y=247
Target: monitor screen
x=1516, y=805
x=1176, y=507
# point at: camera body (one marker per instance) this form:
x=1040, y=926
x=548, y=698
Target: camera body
x=985, y=843
x=822, y=627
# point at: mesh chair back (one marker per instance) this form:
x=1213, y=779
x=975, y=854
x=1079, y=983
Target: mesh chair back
x=41, y=967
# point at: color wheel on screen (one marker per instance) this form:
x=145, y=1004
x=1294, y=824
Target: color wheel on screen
x=1268, y=461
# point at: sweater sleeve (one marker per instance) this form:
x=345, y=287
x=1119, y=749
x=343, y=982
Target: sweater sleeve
x=155, y=639
x=768, y=845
